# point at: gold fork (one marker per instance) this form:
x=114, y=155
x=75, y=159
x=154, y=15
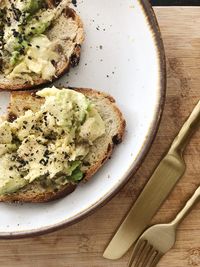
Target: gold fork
x=160, y=238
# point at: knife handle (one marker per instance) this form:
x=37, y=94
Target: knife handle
x=189, y=127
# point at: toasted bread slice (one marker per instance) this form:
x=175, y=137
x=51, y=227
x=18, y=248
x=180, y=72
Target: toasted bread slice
x=68, y=29
x=99, y=152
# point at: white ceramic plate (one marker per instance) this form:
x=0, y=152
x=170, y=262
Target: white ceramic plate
x=122, y=55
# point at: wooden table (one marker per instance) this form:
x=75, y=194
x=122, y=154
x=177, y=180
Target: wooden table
x=81, y=245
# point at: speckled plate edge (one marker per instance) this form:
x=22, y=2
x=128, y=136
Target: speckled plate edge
x=152, y=21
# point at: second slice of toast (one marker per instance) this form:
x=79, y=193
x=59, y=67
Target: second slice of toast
x=101, y=150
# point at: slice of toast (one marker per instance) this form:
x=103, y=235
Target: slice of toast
x=68, y=29
x=101, y=150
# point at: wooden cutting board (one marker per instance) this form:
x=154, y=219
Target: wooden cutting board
x=81, y=245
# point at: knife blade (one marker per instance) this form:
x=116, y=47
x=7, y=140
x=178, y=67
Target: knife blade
x=164, y=178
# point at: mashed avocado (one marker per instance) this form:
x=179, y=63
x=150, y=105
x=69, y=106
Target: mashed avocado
x=24, y=25
x=51, y=144
x=38, y=60
x=30, y=6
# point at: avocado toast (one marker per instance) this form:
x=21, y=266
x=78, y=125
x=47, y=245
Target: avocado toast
x=39, y=41
x=53, y=139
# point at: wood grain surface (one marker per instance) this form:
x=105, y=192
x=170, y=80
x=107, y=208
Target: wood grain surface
x=82, y=245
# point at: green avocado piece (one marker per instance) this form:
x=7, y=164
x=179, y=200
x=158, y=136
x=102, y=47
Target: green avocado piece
x=38, y=28
x=32, y=6
x=14, y=58
x=12, y=186
x=20, y=44
x=77, y=175
x=74, y=166
x=18, y=51
x=35, y=26
x=38, y=25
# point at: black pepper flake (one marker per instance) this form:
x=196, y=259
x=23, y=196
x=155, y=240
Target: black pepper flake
x=74, y=2
x=47, y=153
x=8, y=22
x=17, y=13
x=21, y=161
x=21, y=51
x=43, y=162
x=15, y=33
x=29, y=57
x=13, y=158
x=21, y=39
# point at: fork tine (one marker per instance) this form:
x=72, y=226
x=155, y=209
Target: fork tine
x=140, y=258
x=156, y=259
x=148, y=257
x=153, y=256
x=137, y=250
x=142, y=255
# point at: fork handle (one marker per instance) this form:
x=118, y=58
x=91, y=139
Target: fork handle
x=187, y=208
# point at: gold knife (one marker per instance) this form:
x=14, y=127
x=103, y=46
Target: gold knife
x=164, y=178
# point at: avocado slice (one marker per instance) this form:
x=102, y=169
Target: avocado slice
x=19, y=48
x=12, y=185
x=38, y=25
x=15, y=58
x=77, y=175
x=32, y=6
x=32, y=25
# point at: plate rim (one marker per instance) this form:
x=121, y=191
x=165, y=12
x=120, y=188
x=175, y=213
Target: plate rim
x=152, y=21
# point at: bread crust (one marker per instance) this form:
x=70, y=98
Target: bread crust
x=38, y=198
x=28, y=99
x=61, y=69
